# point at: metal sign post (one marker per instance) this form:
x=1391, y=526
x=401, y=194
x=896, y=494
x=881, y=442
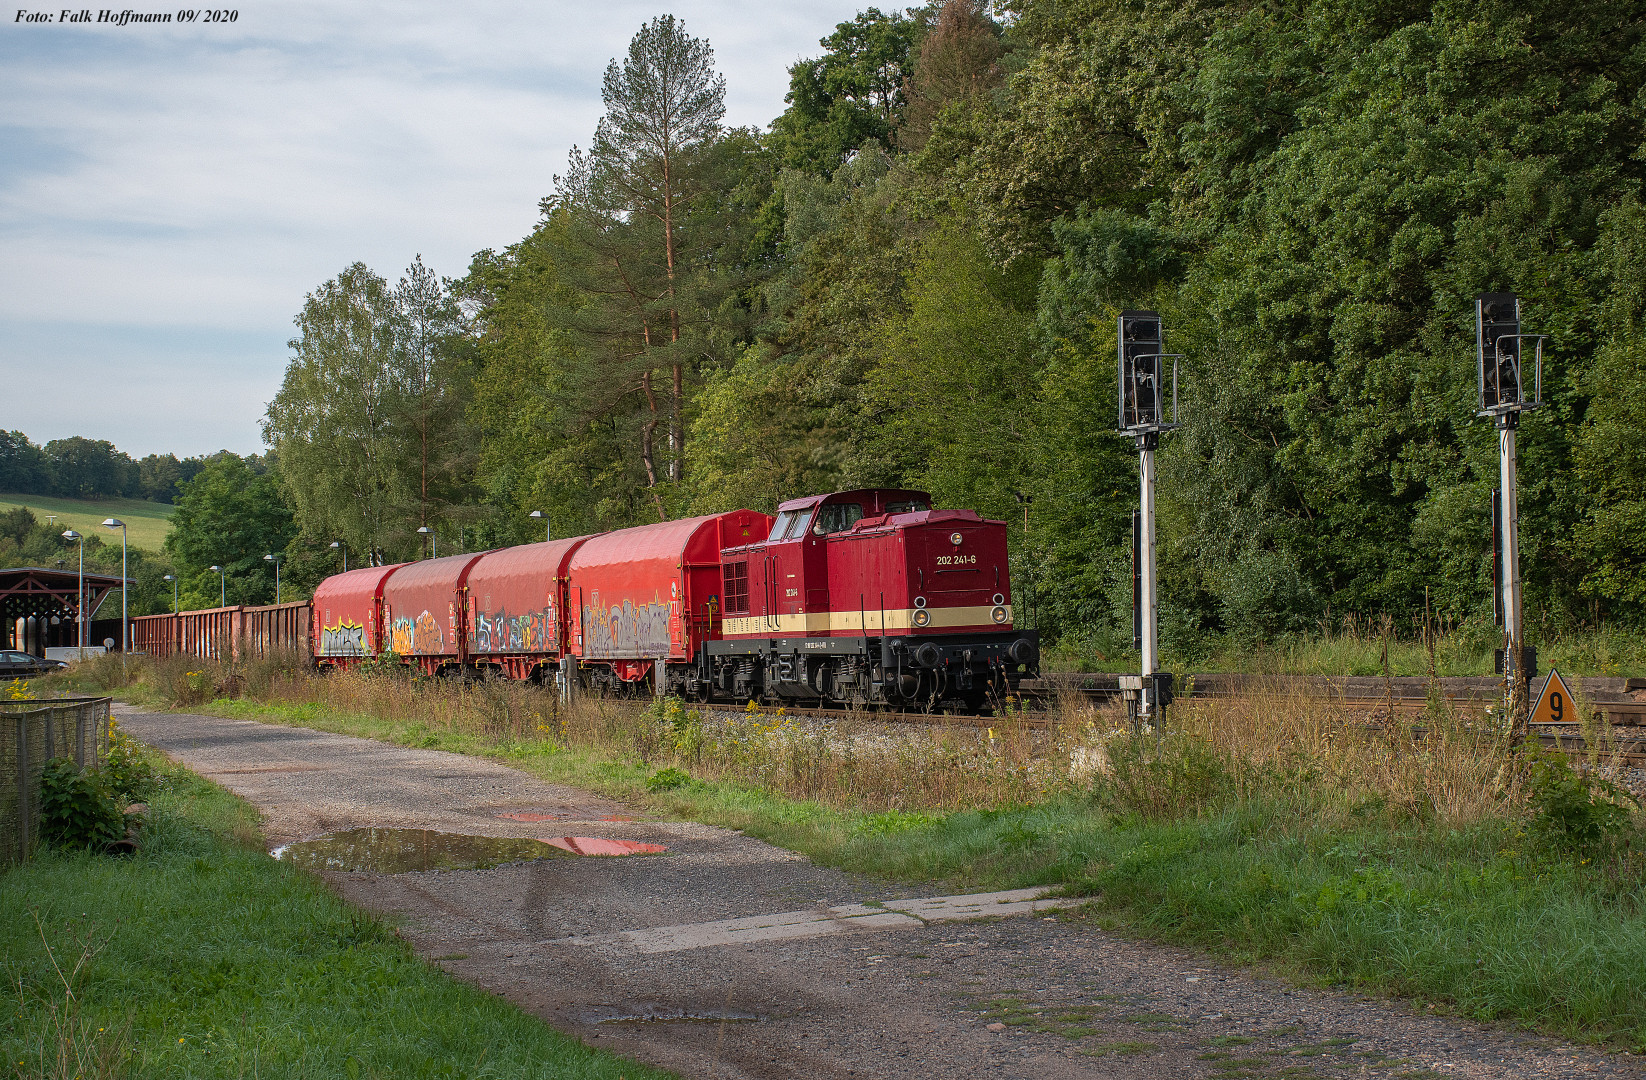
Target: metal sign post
x=1499, y=352
x=1143, y=416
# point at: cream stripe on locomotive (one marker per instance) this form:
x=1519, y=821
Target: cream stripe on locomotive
x=904, y=620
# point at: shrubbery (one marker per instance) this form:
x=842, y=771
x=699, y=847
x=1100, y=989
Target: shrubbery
x=77, y=809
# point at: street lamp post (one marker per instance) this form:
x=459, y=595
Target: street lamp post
x=548, y=527
x=434, y=545
x=125, y=622
x=80, y=591
x=275, y=559
x=222, y=586
x=173, y=579
x=338, y=545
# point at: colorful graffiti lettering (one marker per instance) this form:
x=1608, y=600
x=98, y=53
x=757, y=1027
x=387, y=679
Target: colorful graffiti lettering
x=416, y=637
x=344, y=639
x=500, y=632
x=626, y=630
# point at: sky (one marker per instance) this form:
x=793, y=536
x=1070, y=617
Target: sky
x=170, y=193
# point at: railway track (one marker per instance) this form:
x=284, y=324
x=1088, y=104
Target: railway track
x=1376, y=700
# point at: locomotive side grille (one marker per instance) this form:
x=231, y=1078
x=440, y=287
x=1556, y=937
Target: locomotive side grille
x=736, y=578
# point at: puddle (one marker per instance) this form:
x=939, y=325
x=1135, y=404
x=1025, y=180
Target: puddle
x=399, y=851
x=545, y=815
x=599, y=845
x=666, y=1014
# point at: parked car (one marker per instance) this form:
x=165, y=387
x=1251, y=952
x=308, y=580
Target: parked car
x=16, y=664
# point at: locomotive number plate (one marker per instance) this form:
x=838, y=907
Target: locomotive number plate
x=957, y=560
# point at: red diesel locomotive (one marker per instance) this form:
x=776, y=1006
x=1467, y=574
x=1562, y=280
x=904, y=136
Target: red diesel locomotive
x=860, y=597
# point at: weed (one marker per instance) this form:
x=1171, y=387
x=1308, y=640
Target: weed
x=1574, y=811
x=76, y=809
x=125, y=768
x=667, y=779
x=65, y=1043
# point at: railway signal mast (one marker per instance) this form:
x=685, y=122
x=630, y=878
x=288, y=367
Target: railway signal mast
x=1143, y=417
x=1499, y=353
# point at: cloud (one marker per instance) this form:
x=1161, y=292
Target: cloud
x=168, y=194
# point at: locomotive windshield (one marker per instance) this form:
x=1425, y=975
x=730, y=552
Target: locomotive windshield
x=790, y=524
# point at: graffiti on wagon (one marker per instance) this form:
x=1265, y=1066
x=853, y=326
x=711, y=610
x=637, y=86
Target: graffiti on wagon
x=625, y=630
x=414, y=637
x=500, y=632
x=345, y=639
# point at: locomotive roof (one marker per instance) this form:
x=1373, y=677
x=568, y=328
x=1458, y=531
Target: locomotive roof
x=876, y=497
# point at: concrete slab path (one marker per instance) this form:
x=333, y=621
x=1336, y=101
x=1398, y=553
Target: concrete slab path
x=727, y=957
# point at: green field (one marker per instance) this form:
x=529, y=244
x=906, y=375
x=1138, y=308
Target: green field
x=146, y=522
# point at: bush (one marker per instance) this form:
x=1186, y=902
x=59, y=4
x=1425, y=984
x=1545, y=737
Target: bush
x=1573, y=811
x=76, y=808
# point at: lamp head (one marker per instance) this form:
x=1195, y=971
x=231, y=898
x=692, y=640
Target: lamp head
x=270, y=558
x=167, y=577
x=424, y=529
x=71, y=536
x=215, y=569
x=114, y=523
x=535, y=514
x=335, y=544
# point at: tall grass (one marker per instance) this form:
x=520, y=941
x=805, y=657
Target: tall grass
x=1279, y=745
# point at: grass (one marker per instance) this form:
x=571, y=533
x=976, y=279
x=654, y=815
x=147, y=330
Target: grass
x=203, y=957
x=147, y=523
x=1267, y=830
x=1358, y=649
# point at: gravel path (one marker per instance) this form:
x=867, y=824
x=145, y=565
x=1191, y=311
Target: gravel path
x=1034, y=996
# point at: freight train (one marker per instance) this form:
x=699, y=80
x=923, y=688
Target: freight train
x=855, y=598
x=866, y=597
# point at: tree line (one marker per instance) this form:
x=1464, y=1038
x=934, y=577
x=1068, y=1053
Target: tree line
x=81, y=468
x=912, y=277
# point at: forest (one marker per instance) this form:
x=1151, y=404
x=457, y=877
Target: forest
x=912, y=278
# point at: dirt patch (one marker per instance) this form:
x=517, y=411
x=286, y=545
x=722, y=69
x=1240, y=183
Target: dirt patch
x=1039, y=995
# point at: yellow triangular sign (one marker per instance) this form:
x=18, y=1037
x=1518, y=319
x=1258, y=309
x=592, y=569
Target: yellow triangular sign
x=1554, y=705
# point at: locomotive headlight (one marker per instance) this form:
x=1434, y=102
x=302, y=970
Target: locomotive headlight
x=998, y=614
x=955, y=538
x=922, y=617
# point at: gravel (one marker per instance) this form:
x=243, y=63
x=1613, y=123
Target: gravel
x=1039, y=996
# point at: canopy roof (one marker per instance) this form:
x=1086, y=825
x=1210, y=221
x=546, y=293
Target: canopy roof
x=36, y=590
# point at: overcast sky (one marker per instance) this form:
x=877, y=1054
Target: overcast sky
x=169, y=193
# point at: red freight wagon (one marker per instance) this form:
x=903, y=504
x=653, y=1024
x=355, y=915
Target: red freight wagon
x=516, y=597
x=422, y=615
x=638, y=594
x=348, y=615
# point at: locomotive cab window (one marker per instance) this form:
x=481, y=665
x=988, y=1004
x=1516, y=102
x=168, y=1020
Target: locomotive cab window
x=791, y=524
x=912, y=506
x=837, y=518
x=736, y=577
